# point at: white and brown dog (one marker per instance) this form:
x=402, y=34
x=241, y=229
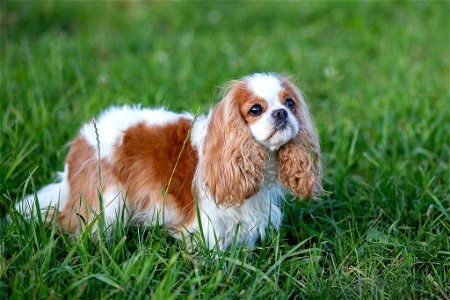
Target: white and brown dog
x=152, y=165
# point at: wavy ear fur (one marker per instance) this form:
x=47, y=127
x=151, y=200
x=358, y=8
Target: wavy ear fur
x=233, y=163
x=299, y=160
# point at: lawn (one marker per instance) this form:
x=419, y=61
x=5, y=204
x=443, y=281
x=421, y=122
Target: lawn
x=376, y=76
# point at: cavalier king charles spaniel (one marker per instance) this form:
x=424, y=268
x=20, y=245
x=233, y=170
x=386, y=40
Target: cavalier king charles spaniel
x=223, y=174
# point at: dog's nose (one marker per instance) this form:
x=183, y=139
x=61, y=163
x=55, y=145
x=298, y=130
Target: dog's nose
x=280, y=114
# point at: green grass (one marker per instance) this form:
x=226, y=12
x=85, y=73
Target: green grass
x=376, y=76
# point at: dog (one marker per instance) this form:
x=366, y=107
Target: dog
x=224, y=174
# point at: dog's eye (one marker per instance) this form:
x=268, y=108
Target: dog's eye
x=289, y=103
x=256, y=110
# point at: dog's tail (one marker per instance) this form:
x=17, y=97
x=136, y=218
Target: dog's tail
x=50, y=197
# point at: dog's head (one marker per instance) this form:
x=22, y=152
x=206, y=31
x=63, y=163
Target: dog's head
x=258, y=115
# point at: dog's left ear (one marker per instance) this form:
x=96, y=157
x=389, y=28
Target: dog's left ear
x=299, y=159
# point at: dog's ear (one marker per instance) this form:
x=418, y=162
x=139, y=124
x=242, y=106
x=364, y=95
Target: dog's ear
x=233, y=163
x=299, y=159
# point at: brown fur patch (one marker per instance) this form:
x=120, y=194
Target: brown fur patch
x=84, y=184
x=146, y=165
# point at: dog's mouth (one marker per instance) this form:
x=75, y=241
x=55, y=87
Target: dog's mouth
x=281, y=126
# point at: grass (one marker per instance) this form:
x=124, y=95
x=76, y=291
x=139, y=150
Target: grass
x=377, y=78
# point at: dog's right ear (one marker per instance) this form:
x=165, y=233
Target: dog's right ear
x=300, y=168
x=233, y=162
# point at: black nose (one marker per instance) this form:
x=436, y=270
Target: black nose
x=280, y=114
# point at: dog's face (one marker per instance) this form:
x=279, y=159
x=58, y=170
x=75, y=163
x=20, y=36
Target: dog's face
x=269, y=106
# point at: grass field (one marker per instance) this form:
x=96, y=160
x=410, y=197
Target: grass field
x=376, y=76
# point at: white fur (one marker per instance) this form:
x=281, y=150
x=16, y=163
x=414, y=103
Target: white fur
x=199, y=131
x=251, y=219
x=51, y=196
x=266, y=86
x=158, y=212
x=114, y=206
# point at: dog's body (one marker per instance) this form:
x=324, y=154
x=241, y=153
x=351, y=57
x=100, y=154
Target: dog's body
x=151, y=165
